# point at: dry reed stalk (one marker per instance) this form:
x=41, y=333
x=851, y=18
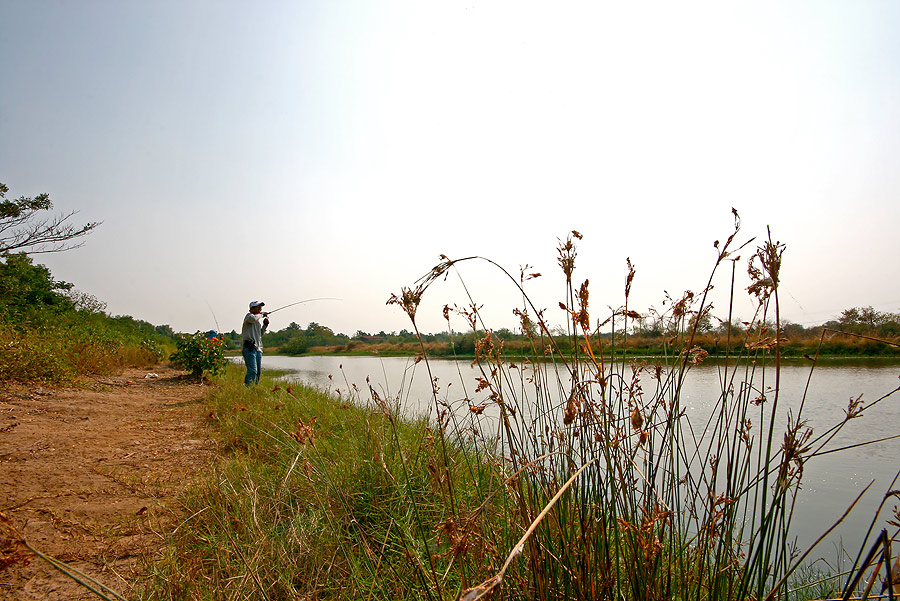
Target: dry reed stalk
x=479, y=592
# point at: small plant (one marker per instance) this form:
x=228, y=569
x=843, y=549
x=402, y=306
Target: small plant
x=199, y=353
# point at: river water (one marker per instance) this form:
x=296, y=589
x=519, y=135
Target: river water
x=830, y=482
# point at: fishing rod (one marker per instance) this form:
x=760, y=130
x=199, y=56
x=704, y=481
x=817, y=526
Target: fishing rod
x=308, y=300
x=218, y=329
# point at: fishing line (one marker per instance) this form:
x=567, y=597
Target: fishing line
x=308, y=300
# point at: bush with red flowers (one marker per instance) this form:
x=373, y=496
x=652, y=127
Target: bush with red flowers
x=199, y=353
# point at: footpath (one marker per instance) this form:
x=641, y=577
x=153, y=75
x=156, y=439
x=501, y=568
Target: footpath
x=90, y=476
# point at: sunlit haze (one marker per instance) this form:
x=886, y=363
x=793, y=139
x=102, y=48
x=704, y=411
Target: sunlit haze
x=283, y=151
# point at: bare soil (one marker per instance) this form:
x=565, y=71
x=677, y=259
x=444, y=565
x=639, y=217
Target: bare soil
x=90, y=475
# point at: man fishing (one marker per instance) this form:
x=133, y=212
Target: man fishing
x=251, y=334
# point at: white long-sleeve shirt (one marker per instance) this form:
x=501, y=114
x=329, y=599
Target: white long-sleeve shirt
x=253, y=330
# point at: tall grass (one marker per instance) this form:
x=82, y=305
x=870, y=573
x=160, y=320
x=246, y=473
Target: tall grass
x=344, y=498
x=313, y=501
x=59, y=352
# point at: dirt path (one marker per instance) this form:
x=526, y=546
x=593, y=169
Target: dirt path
x=90, y=476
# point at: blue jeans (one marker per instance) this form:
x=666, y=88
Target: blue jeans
x=253, y=360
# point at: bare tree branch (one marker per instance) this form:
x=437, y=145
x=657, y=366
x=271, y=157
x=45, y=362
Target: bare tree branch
x=21, y=230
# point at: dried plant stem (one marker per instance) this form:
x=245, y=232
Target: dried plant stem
x=478, y=592
x=77, y=575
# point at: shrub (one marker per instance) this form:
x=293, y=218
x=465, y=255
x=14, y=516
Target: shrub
x=199, y=353
x=32, y=358
x=295, y=346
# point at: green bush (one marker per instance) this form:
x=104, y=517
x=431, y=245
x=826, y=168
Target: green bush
x=153, y=349
x=199, y=353
x=31, y=357
x=73, y=345
x=296, y=346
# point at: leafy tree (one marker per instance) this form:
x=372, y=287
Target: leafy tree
x=319, y=334
x=281, y=337
x=505, y=334
x=85, y=302
x=704, y=324
x=866, y=320
x=23, y=229
x=52, y=333
x=28, y=290
x=295, y=340
x=296, y=346
x=736, y=326
x=791, y=329
x=165, y=330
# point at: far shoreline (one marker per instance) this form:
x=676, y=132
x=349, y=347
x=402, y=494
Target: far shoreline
x=840, y=360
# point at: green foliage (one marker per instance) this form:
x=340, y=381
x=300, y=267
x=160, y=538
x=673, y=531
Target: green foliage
x=295, y=346
x=28, y=292
x=14, y=209
x=293, y=340
x=51, y=333
x=152, y=349
x=199, y=353
x=34, y=357
x=59, y=351
x=648, y=336
x=866, y=320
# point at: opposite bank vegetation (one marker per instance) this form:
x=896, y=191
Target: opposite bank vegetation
x=858, y=332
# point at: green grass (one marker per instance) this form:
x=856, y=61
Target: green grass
x=329, y=517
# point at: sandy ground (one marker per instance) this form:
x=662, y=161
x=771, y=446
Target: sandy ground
x=90, y=475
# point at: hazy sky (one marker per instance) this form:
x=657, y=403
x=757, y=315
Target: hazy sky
x=289, y=150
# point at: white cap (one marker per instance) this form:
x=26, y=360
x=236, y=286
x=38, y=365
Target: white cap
x=256, y=304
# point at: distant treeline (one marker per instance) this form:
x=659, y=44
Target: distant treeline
x=296, y=340
x=859, y=331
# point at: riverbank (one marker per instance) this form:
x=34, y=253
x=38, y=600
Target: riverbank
x=313, y=495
